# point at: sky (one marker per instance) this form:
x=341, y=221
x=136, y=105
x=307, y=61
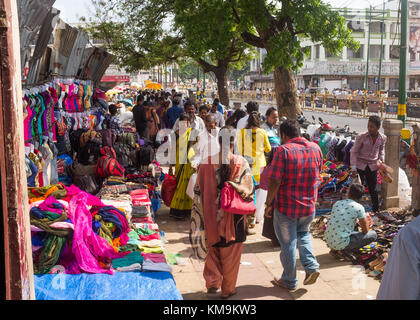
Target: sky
x=72, y=10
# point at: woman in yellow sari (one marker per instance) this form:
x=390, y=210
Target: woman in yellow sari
x=181, y=204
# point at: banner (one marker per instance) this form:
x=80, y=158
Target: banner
x=115, y=79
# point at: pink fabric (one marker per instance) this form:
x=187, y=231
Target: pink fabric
x=155, y=257
x=53, y=93
x=150, y=237
x=87, y=247
x=47, y=205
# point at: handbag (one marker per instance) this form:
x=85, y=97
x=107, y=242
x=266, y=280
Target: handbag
x=168, y=189
x=232, y=202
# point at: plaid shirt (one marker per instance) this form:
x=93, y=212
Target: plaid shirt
x=296, y=164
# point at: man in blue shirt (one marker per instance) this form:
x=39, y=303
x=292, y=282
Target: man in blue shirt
x=272, y=118
x=173, y=113
x=401, y=278
x=220, y=107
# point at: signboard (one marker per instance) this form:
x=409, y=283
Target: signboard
x=391, y=109
x=319, y=102
x=413, y=112
x=330, y=103
x=356, y=105
x=115, y=79
x=342, y=104
x=373, y=106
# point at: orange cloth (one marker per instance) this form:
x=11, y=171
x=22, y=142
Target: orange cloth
x=116, y=244
x=45, y=196
x=222, y=267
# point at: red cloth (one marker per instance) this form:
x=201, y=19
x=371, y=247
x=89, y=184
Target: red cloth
x=155, y=257
x=150, y=237
x=296, y=165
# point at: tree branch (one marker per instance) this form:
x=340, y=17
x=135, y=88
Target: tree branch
x=207, y=67
x=253, y=40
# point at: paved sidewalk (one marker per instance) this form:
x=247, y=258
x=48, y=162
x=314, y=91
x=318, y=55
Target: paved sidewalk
x=259, y=264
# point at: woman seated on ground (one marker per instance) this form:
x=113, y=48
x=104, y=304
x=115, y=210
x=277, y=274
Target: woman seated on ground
x=340, y=235
x=225, y=232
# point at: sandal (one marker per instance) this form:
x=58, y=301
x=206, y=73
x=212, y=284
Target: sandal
x=279, y=283
x=212, y=290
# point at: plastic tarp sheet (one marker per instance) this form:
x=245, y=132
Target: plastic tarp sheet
x=119, y=286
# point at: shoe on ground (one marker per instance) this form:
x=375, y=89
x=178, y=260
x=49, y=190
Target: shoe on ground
x=212, y=290
x=311, y=278
x=281, y=284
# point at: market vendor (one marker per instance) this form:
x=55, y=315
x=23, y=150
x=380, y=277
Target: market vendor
x=367, y=150
x=340, y=235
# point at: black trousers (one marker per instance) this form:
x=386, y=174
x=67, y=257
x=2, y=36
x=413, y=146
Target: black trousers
x=371, y=179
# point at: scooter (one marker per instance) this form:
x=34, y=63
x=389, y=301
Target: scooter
x=325, y=126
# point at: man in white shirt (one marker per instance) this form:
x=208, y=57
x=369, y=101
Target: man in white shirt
x=208, y=144
x=196, y=122
x=220, y=119
x=250, y=107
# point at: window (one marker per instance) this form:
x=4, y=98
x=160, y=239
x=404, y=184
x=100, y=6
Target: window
x=351, y=54
x=330, y=55
x=394, y=52
x=375, y=27
x=393, y=84
x=395, y=28
x=317, y=51
x=375, y=51
x=412, y=56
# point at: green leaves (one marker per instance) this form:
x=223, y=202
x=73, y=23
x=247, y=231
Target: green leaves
x=281, y=26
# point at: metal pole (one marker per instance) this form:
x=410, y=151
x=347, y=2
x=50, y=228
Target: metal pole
x=380, y=59
x=402, y=94
x=368, y=51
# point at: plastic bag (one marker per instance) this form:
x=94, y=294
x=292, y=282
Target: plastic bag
x=191, y=184
x=261, y=197
x=404, y=189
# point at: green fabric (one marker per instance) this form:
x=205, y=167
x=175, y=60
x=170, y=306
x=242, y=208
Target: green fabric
x=128, y=260
x=51, y=215
x=144, y=232
x=171, y=257
x=45, y=223
x=128, y=247
x=133, y=235
x=50, y=253
x=58, y=194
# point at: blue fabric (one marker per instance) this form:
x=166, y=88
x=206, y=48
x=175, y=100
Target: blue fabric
x=34, y=170
x=172, y=115
x=66, y=158
x=294, y=233
x=401, y=278
x=221, y=108
x=119, y=286
x=38, y=238
x=109, y=216
x=37, y=213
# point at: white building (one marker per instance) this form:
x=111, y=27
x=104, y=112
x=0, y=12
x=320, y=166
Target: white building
x=348, y=70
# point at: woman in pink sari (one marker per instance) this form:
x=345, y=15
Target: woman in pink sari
x=225, y=232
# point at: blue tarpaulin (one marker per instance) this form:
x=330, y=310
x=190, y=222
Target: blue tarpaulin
x=119, y=286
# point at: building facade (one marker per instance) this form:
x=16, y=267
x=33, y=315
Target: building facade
x=348, y=70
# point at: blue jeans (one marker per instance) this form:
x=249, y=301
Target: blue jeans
x=359, y=240
x=294, y=233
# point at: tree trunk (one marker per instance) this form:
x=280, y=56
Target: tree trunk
x=286, y=93
x=222, y=88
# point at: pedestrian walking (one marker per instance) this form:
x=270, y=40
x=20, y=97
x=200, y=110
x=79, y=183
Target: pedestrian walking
x=225, y=231
x=292, y=193
x=368, y=149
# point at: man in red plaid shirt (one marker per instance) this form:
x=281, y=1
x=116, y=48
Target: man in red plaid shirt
x=292, y=194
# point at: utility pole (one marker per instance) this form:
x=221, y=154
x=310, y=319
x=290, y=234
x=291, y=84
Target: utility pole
x=402, y=94
x=368, y=51
x=380, y=59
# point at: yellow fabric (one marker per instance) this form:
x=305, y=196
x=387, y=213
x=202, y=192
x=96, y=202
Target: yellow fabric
x=181, y=201
x=254, y=147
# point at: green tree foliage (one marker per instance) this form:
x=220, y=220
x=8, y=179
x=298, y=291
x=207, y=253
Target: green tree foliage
x=279, y=26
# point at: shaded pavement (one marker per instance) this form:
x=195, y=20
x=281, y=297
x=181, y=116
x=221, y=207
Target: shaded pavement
x=260, y=263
